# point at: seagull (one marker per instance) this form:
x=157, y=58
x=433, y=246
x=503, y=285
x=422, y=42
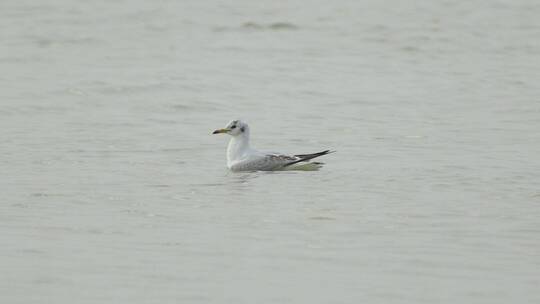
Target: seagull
x=240, y=157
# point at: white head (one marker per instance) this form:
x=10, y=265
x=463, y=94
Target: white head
x=234, y=128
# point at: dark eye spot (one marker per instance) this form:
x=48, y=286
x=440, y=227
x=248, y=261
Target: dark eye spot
x=233, y=127
x=242, y=129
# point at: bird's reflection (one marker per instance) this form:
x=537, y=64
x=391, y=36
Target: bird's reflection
x=242, y=178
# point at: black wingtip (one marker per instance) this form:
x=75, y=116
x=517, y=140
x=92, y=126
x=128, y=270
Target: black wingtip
x=315, y=154
x=307, y=157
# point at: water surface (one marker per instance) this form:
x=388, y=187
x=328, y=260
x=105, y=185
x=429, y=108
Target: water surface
x=114, y=191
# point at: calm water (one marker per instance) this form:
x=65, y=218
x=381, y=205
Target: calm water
x=114, y=191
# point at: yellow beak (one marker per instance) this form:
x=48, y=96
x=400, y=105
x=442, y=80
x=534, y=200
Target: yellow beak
x=220, y=131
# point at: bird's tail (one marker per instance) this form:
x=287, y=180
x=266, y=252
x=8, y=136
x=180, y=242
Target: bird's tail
x=307, y=157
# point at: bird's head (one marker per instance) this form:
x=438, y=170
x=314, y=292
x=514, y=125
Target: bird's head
x=234, y=128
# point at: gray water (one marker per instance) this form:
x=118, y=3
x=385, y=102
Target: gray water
x=114, y=191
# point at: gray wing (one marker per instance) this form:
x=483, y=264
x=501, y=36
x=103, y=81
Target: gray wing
x=269, y=162
x=266, y=162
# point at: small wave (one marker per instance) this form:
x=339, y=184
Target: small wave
x=254, y=26
x=130, y=88
x=282, y=26
x=271, y=26
x=62, y=41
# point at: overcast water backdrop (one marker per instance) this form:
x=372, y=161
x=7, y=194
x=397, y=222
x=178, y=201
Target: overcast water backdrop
x=113, y=190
